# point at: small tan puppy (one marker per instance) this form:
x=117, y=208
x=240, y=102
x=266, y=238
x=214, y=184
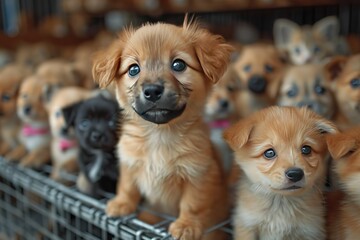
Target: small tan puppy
x=34, y=135
x=259, y=68
x=163, y=74
x=282, y=153
x=308, y=86
x=64, y=147
x=346, y=75
x=11, y=77
x=343, y=205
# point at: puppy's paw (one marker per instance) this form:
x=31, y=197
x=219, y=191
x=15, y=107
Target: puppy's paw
x=117, y=207
x=183, y=230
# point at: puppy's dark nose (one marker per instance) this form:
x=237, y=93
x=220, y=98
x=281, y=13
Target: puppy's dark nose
x=294, y=174
x=27, y=110
x=95, y=136
x=305, y=104
x=153, y=92
x=223, y=103
x=64, y=131
x=257, y=84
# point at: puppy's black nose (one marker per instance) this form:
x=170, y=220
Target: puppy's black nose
x=95, y=136
x=27, y=110
x=64, y=131
x=294, y=174
x=257, y=84
x=153, y=92
x=223, y=103
x=305, y=104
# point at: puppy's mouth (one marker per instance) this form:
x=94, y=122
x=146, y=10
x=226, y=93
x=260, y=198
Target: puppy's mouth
x=291, y=188
x=160, y=115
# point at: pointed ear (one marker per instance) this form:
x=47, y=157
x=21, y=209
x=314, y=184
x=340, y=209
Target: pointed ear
x=325, y=126
x=340, y=145
x=106, y=63
x=283, y=29
x=335, y=66
x=328, y=28
x=211, y=50
x=238, y=134
x=70, y=112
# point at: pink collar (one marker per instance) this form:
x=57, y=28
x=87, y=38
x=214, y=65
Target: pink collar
x=220, y=124
x=29, y=130
x=66, y=144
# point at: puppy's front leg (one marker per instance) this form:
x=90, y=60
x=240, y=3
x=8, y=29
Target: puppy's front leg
x=16, y=154
x=127, y=195
x=37, y=157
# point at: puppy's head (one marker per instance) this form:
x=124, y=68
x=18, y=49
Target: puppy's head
x=163, y=72
x=281, y=149
x=96, y=122
x=258, y=67
x=222, y=99
x=345, y=150
x=30, y=102
x=346, y=75
x=307, y=86
x=307, y=44
x=11, y=77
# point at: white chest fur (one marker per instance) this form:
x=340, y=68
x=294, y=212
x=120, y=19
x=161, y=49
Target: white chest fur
x=35, y=141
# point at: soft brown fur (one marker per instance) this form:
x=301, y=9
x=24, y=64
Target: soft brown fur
x=257, y=56
x=172, y=165
x=344, y=70
x=266, y=209
x=344, y=205
x=308, y=86
x=11, y=77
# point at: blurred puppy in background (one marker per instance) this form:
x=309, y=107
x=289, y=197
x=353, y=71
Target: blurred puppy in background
x=282, y=153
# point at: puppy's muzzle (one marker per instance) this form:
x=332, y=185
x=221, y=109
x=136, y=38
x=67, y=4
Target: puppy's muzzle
x=257, y=84
x=153, y=92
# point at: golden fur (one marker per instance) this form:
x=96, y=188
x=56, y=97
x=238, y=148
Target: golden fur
x=172, y=164
x=344, y=205
x=253, y=62
x=269, y=204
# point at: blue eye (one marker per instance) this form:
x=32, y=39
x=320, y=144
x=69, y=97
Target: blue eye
x=270, y=154
x=58, y=114
x=111, y=123
x=5, y=98
x=306, y=150
x=247, y=68
x=293, y=92
x=269, y=68
x=84, y=124
x=355, y=83
x=134, y=70
x=320, y=90
x=178, y=65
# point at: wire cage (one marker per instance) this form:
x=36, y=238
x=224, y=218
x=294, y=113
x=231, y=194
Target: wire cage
x=32, y=206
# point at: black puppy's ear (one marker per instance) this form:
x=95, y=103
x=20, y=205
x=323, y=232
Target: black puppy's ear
x=70, y=113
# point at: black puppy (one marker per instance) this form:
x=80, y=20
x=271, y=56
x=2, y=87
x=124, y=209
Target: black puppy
x=96, y=123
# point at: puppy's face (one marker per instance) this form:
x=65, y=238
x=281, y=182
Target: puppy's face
x=95, y=122
x=345, y=149
x=281, y=149
x=307, y=86
x=162, y=73
x=221, y=101
x=258, y=67
x=30, y=107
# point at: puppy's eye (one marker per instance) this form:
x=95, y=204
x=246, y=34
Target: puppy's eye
x=292, y=93
x=178, y=65
x=268, y=68
x=355, y=83
x=134, y=70
x=297, y=50
x=24, y=96
x=320, y=90
x=84, y=124
x=306, y=150
x=316, y=49
x=5, y=98
x=247, y=68
x=58, y=114
x=230, y=88
x=270, y=154
x=111, y=123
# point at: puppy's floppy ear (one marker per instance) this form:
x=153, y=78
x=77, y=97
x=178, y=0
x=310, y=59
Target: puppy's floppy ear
x=211, y=50
x=328, y=28
x=283, y=29
x=335, y=66
x=70, y=112
x=340, y=145
x=238, y=134
x=106, y=63
x=325, y=126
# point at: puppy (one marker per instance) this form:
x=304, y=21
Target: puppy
x=64, y=146
x=308, y=86
x=345, y=73
x=282, y=153
x=11, y=78
x=96, y=127
x=259, y=68
x=343, y=205
x=34, y=135
x=309, y=44
x=162, y=74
